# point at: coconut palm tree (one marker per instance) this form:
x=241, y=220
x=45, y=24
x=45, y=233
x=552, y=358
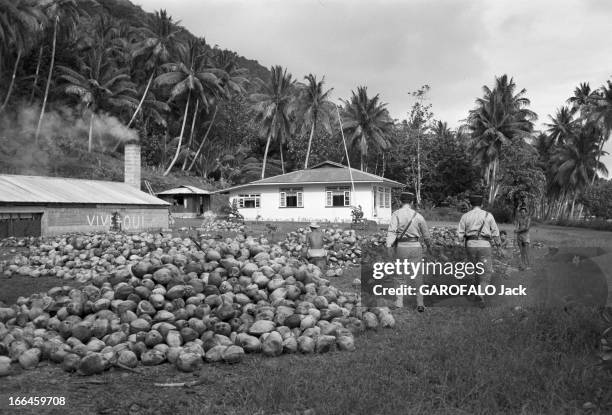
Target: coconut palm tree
x=66, y=13
x=273, y=107
x=189, y=77
x=160, y=41
x=98, y=85
x=582, y=99
x=315, y=108
x=561, y=126
x=500, y=117
x=441, y=131
x=601, y=113
x=20, y=21
x=233, y=81
x=366, y=123
x=576, y=162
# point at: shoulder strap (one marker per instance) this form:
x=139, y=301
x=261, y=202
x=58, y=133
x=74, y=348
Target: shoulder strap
x=483, y=224
x=405, y=229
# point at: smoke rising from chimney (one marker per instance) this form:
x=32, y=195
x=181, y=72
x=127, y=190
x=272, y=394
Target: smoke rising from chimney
x=19, y=150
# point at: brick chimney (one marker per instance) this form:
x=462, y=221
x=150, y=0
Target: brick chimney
x=132, y=165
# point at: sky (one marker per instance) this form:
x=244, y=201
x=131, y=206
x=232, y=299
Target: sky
x=396, y=46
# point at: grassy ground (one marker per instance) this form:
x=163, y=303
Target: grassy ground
x=449, y=360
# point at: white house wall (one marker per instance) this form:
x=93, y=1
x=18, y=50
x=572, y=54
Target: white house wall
x=314, y=204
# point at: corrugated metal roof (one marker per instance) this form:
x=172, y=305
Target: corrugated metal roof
x=326, y=172
x=185, y=190
x=40, y=189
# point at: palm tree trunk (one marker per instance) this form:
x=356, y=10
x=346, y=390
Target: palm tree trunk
x=193, y=121
x=178, y=147
x=282, y=158
x=163, y=158
x=12, y=83
x=573, y=205
x=384, y=165
x=601, y=144
x=144, y=95
x=40, y=52
x=263, y=167
x=91, y=122
x=493, y=182
x=44, y=103
x=361, y=162
x=312, y=130
x=204, y=139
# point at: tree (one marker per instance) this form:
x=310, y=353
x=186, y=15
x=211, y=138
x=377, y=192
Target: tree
x=366, y=123
x=561, y=126
x=186, y=77
x=273, y=106
x=582, y=98
x=233, y=79
x=60, y=11
x=601, y=112
x=20, y=20
x=99, y=85
x=420, y=115
x=577, y=161
x=441, y=131
x=500, y=116
x=159, y=42
x=598, y=199
x=315, y=108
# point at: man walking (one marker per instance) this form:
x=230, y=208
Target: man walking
x=477, y=228
x=316, y=251
x=405, y=229
x=522, y=225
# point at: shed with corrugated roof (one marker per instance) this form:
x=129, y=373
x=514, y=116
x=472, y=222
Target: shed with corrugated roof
x=40, y=205
x=186, y=201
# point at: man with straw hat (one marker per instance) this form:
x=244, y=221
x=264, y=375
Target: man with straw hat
x=407, y=226
x=316, y=252
x=477, y=228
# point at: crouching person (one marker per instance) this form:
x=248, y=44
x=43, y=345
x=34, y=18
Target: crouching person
x=405, y=229
x=477, y=229
x=316, y=251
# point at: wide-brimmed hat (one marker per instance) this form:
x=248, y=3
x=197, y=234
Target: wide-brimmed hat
x=314, y=225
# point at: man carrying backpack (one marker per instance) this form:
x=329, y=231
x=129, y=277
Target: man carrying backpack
x=477, y=229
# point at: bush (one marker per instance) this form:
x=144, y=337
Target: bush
x=502, y=211
x=441, y=214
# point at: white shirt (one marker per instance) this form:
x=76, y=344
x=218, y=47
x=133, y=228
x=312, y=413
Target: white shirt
x=472, y=221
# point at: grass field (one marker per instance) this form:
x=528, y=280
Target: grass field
x=449, y=360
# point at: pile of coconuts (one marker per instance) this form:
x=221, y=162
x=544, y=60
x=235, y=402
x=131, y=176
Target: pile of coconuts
x=221, y=226
x=343, y=246
x=176, y=303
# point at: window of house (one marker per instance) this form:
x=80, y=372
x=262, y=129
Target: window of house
x=291, y=197
x=249, y=201
x=337, y=196
x=384, y=197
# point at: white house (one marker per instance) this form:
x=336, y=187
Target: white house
x=322, y=193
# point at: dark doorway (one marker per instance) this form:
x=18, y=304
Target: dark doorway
x=20, y=224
